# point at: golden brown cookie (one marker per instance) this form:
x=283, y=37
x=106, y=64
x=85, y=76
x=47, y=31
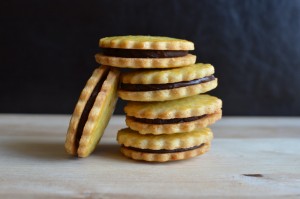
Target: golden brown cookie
x=167, y=84
x=166, y=76
x=175, y=116
x=146, y=43
x=145, y=52
x=92, y=112
x=162, y=148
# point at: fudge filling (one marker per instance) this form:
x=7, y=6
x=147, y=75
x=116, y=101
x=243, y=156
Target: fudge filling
x=164, y=150
x=89, y=105
x=136, y=53
x=167, y=121
x=155, y=87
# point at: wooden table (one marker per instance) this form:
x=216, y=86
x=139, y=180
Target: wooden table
x=250, y=157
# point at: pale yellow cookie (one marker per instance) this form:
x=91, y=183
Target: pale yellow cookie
x=173, y=75
x=175, y=116
x=122, y=62
x=182, y=108
x=92, y=112
x=157, y=129
x=167, y=84
x=146, y=43
x=162, y=148
x=145, y=52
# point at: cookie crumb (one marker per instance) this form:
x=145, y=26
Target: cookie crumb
x=256, y=175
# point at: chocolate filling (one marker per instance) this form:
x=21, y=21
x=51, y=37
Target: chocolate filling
x=136, y=53
x=164, y=150
x=167, y=121
x=89, y=104
x=155, y=87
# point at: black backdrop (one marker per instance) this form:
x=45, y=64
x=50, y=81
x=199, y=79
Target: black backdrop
x=47, y=48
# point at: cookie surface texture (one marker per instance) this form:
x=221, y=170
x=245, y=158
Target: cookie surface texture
x=186, y=107
x=146, y=43
x=161, y=148
x=158, y=76
x=92, y=112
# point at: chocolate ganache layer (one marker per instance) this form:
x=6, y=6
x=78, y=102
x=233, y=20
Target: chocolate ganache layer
x=167, y=121
x=88, y=106
x=164, y=150
x=155, y=87
x=136, y=53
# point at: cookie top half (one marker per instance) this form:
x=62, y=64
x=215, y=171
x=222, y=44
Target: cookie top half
x=181, y=108
x=146, y=43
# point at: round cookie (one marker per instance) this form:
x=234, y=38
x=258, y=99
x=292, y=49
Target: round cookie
x=175, y=116
x=145, y=52
x=167, y=84
x=92, y=112
x=145, y=43
x=162, y=148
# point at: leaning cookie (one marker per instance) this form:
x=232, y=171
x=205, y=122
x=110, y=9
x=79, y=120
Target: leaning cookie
x=145, y=52
x=175, y=116
x=162, y=148
x=92, y=112
x=168, y=84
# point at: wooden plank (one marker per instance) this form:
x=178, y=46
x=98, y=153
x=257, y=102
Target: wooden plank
x=33, y=163
x=237, y=127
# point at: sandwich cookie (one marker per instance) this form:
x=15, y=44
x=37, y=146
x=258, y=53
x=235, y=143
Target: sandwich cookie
x=145, y=52
x=175, y=116
x=162, y=148
x=167, y=84
x=92, y=112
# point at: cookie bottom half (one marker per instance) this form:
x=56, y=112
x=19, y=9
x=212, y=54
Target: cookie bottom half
x=168, y=94
x=165, y=157
x=122, y=62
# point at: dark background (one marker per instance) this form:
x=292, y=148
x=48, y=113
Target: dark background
x=47, y=49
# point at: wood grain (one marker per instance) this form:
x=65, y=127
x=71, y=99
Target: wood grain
x=251, y=157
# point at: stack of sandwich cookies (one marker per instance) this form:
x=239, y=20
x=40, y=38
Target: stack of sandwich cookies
x=165, y=114
x=176, y=128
